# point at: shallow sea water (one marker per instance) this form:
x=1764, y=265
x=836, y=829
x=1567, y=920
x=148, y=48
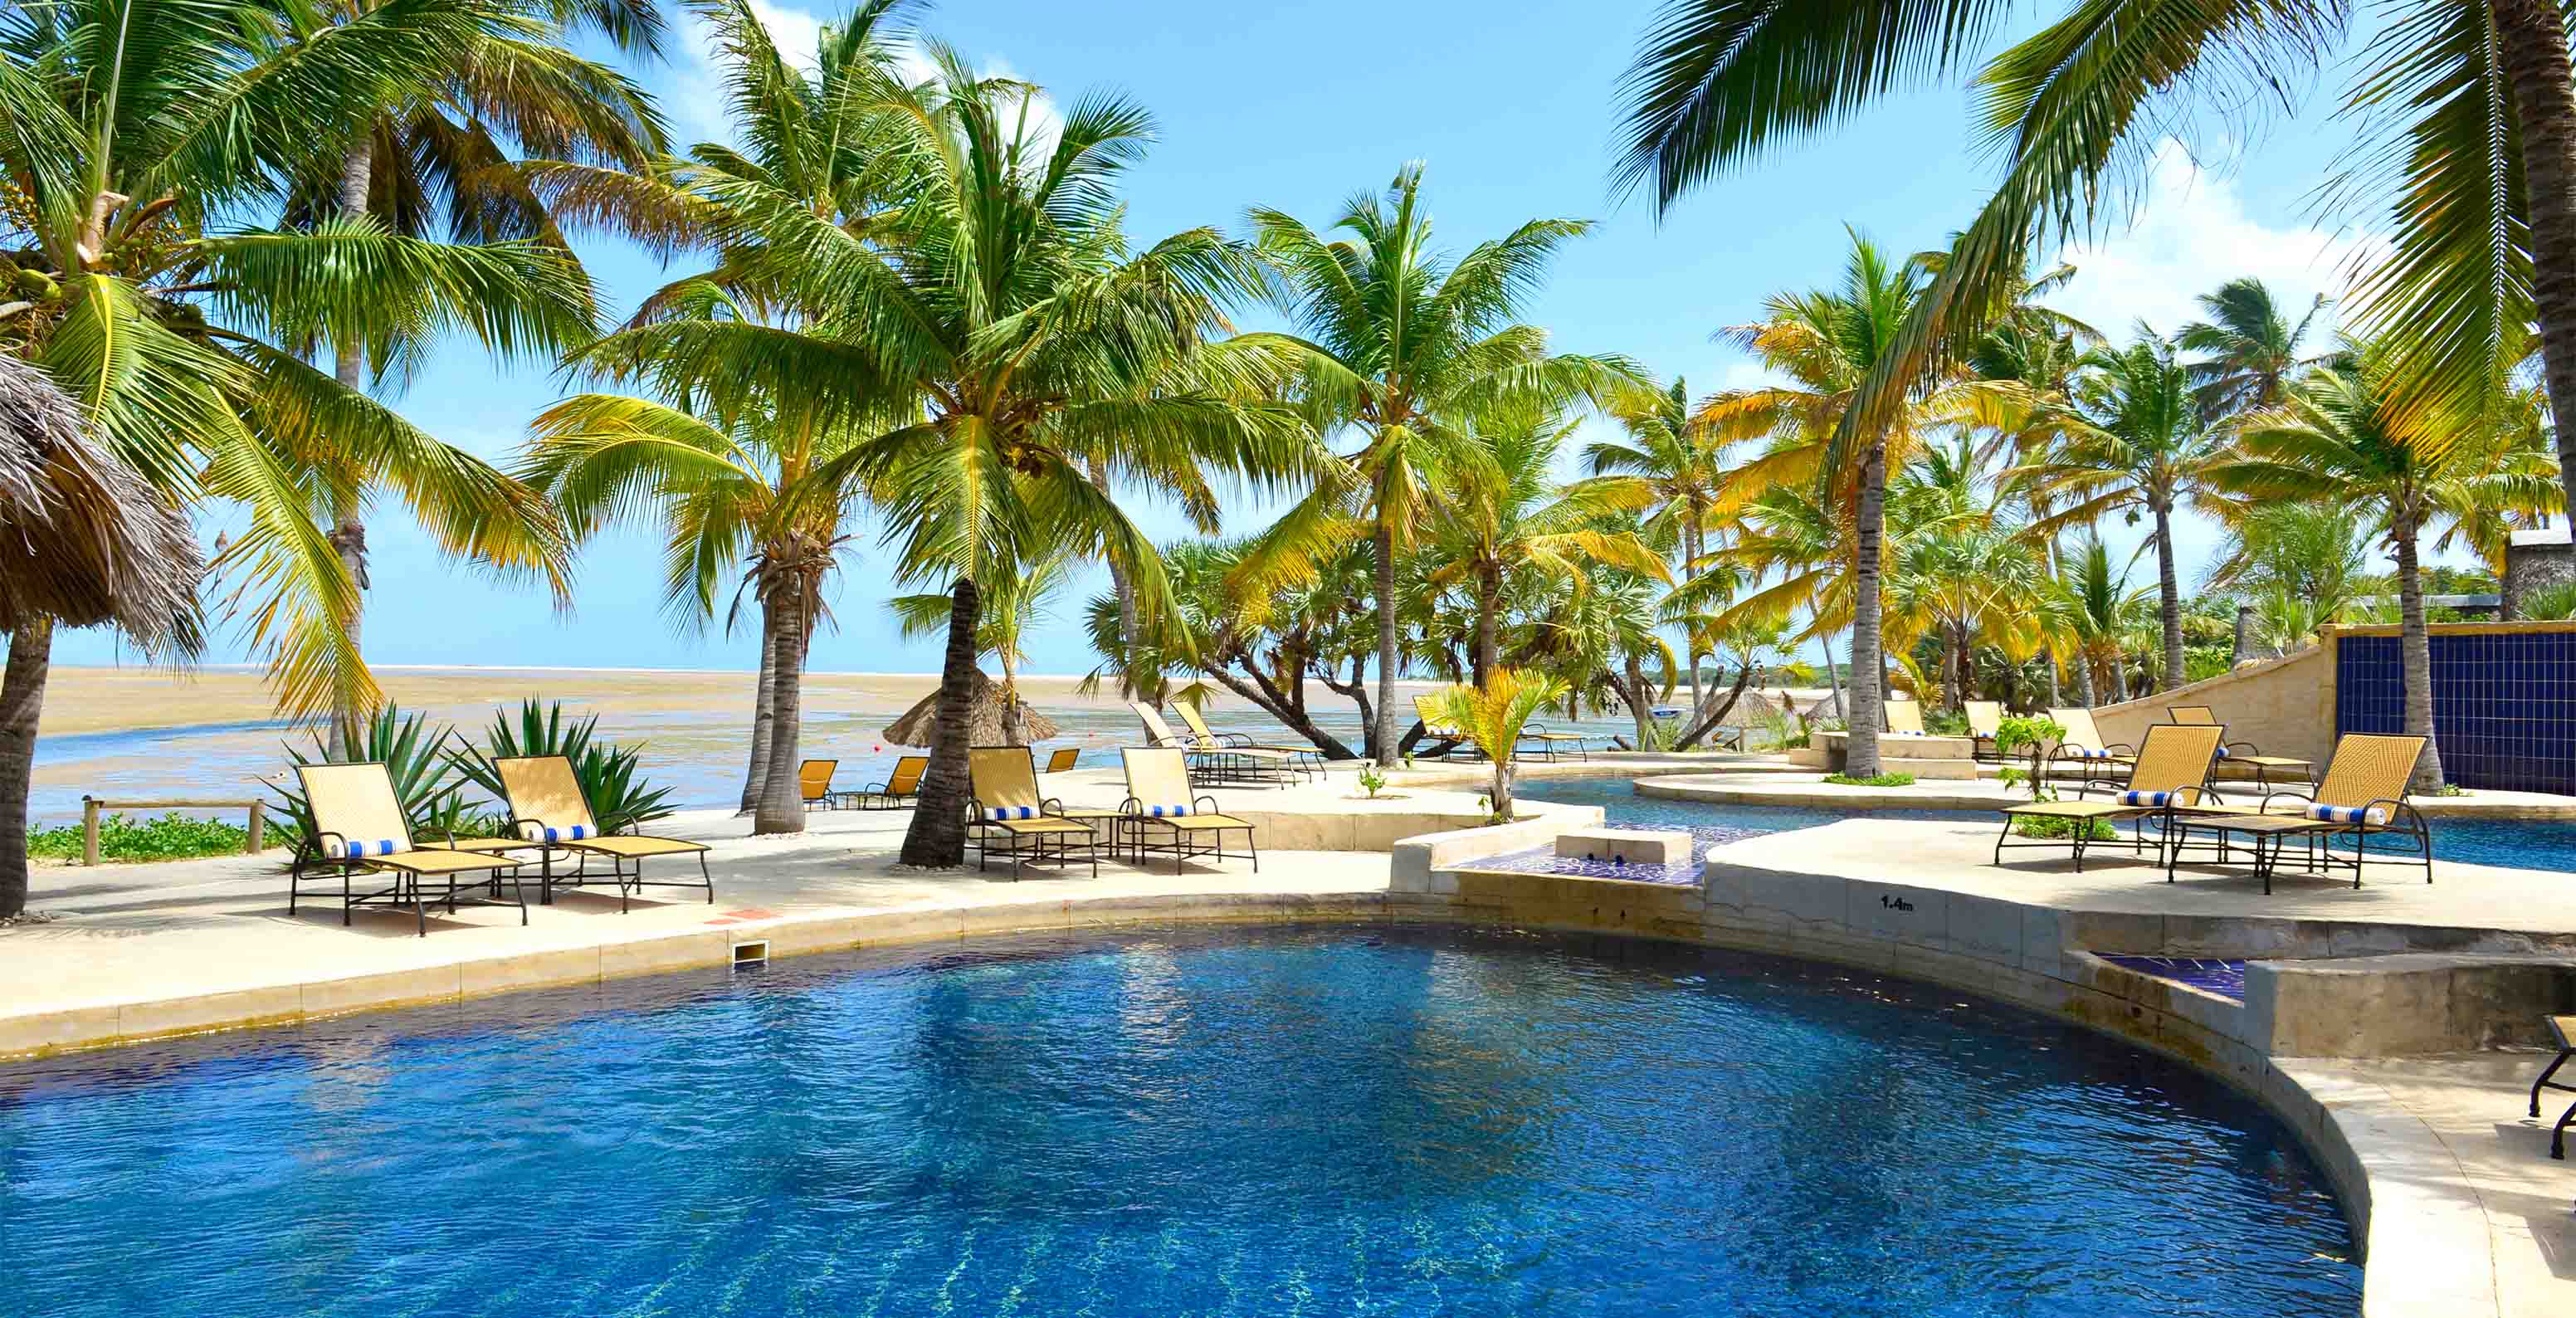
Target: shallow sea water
x=1320, y=1120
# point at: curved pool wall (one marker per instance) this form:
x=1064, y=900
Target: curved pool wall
x=1129, y=1124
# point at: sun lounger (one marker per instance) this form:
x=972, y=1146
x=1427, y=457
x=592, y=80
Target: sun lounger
x=1438, y=728
x=1208, y=760
x=1904, y=717
x=2171, y=770
x=1301, y=760
x=1061, y=760
x=1159, y=803
x=1985, y=720
x=899, y=787
x=2361, y=796
x=359, y=829
x=2242, y=754
x=2083, y=756
x=814, y=784
x=548, y=809
x=1553, y=744
x=1006, y=807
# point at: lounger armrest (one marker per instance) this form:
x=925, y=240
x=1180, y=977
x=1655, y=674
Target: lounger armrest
x=1234, y=739
x=2397, y=809
x=1131, y=806
x=1208, y=801
x=2245, y=746
x=325, y=852
x=2121, y=748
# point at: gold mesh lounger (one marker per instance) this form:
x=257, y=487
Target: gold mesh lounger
x=1985, y=721
x=1158, y=798
x=2361, y=796
x=548, y=809
x=1005, y=805
x=1258, y=758
x=2242, y=754
x=1904, y=717
x=814, y=784
x=1552, y=744
x=1438, y=729
x=900, y=786
x=2171, y=770
x=359, y=828
x=1059, y=761
x=2083, y=756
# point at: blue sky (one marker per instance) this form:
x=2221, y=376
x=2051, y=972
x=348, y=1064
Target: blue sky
x=1296, y=107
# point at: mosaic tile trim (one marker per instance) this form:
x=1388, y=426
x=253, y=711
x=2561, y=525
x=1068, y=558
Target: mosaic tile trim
x=1545, y=861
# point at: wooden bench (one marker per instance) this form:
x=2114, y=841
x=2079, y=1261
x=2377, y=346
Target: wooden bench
x=92, y=805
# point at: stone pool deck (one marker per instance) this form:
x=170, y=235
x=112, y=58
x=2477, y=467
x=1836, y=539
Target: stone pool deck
x=1765, y=780
x=2462, y=1210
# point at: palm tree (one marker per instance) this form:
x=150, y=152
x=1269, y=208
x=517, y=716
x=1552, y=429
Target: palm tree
x=113, y=100
x=2249, y=350
x=2136, y=441
x=1014, y=604
x=438, y=150
x=1507, y=517
x=1404, y=349
x=2097, y=607
x=729, y=493
x=2469, y=134
x=2317, y=552
x=88, y=543
x=1492, y=713
x=986, y=334
x=1682, y=462
x=1828, y=343
x=2352, y=435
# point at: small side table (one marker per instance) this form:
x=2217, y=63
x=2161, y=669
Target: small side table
x=2560, y=1027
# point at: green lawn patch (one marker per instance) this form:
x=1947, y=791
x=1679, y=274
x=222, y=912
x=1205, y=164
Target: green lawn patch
x=171, y=837
x=2043, y=827
x=1883, y=780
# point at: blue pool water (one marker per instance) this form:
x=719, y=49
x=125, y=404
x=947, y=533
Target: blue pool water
x=1324, y=1121
x=2522, y=843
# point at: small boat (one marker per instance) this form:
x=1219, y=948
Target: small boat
x=1666, y=711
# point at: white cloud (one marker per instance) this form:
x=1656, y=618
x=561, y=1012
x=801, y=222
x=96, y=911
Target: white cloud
x=700, y=111
x=2193, y=233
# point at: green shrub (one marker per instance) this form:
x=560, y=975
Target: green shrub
x=619, y=797
x=416, y=761
x=1883, y=780
x=1945, y=722
x=2042, y=827
x=171, y=837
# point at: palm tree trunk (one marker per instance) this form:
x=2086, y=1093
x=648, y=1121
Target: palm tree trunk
x=22, y=700
x=937, y=837
x=1690, y=557
x=2083, y=681
x=348, y=528
x=1834, y=677
x=1381, y=735
x=2170, y=597
x=2531, y=41
x=781, y=808
x=2048, y=660
x=764, y=716
x=2415, y=654
x=1014, y=727
x=1129, y=688
x=1868, y=664
x=1488, y=606
x=1634, y=689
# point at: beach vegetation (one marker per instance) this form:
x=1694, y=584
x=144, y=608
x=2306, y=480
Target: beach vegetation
x=1870, y=780
x=124, y=837
x=1491, y=715
x=611, y=775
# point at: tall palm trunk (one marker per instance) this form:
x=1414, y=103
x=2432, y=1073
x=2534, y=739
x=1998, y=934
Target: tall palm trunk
x=1489, y=607
x=1381, y=736
x=1868, y=664
x=1690, y=636
x=1834, y=678
x=22, y=699
x=2169, y=603
x=348, y=528
x=764, y=715
x=2048, y=664
x=2415, y=655
x=2531, y=41
x=781, y=808
x=1635, y=674
x=1129, y=687
x=2083, y=681
x=937, y=837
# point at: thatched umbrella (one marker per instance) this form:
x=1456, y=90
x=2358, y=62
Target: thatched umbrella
x=83, y=541
x=984, y=719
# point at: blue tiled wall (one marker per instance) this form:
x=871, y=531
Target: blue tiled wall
x=2504, y=707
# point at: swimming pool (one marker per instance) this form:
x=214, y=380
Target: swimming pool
x=1319, y=1120
x=2522, y=843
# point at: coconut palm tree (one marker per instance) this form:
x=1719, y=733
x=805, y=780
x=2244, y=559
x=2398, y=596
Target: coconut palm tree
x=178, y=337
x=1492, y=713
x=1685, y=466
x=2135, y=442
x=986, y=334
x=435, y=152
x=1828, y=342
x=84, y=542
x=2352, y=436
x=2468, y=114
x=1507, y=517
x=2097, y=607
x=1403, y=351
x=2249, y=351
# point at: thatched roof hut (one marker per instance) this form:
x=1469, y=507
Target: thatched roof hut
x=83, y=539
x=984, y=709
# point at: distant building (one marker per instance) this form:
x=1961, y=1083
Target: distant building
x=2537, y=560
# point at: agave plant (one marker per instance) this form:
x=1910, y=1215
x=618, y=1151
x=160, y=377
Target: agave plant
x=618, y=795
x=414, y=758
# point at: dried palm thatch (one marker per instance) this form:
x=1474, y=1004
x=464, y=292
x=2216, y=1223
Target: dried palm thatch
x=984, y=709
x=83, y=539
